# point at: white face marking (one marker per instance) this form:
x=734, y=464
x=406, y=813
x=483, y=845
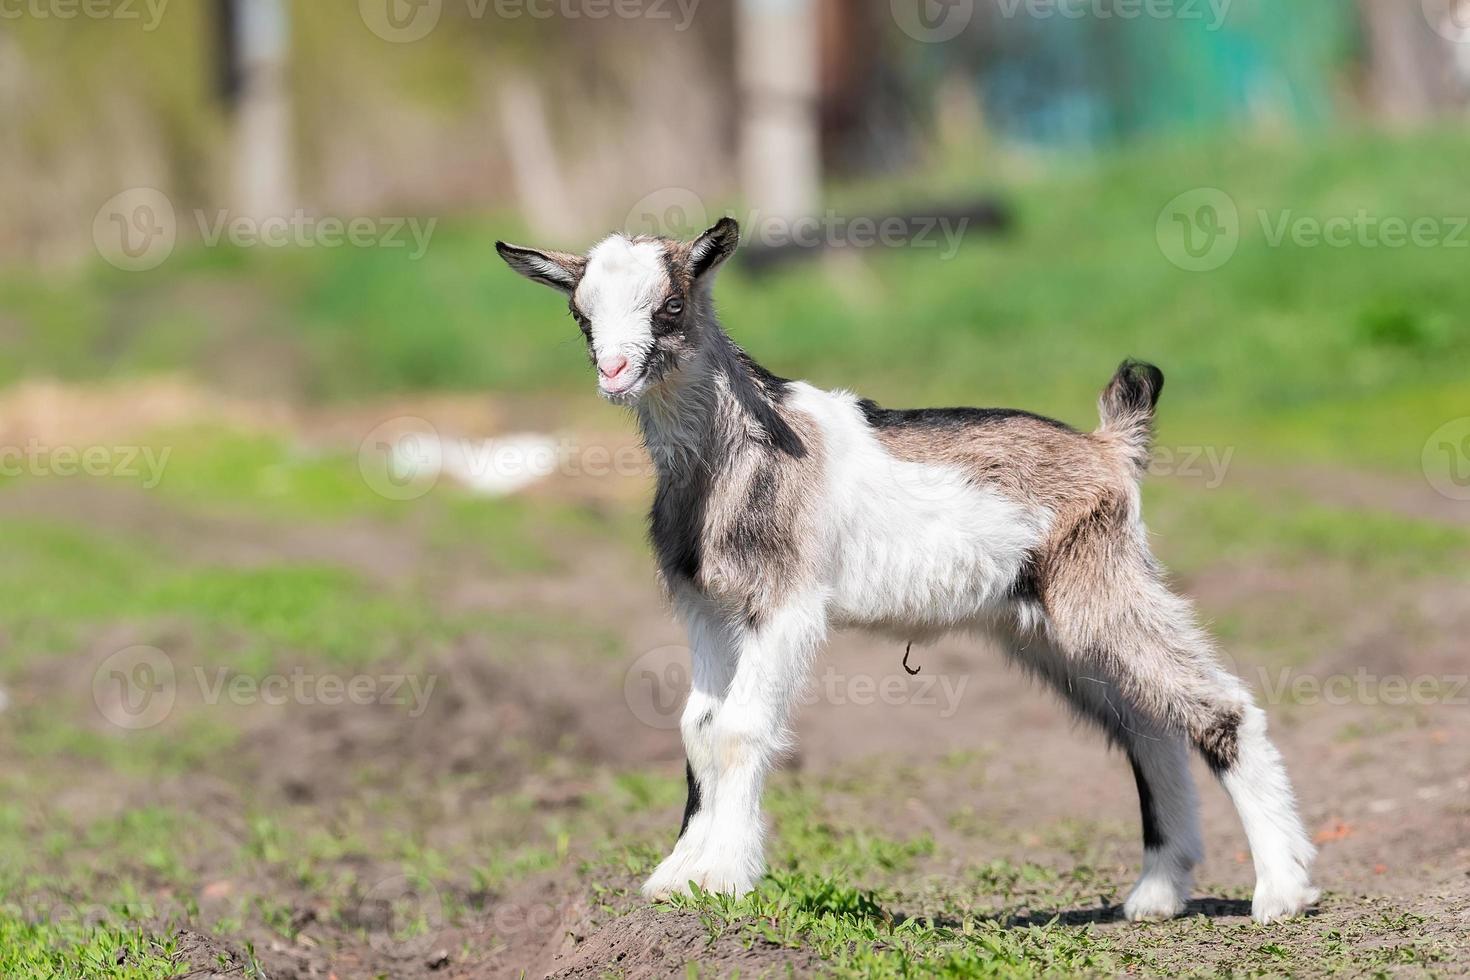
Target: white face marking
x=622, y=283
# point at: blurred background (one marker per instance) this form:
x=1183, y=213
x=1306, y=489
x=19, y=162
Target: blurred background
x=329, y=641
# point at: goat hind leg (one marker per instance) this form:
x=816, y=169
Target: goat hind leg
x=1166, y=668
x=1168, y=804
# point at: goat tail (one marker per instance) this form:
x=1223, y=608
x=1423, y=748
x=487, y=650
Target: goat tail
x=1127, y=410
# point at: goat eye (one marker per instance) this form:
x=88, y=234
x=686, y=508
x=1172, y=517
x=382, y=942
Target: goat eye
x=674, y=306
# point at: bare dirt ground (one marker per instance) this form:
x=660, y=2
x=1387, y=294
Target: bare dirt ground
x=966, y=752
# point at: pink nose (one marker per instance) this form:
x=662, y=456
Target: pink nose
x=613, y=366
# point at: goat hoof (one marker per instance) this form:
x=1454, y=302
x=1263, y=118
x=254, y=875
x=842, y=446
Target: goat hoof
x=1278, y=900
x=1154, y=898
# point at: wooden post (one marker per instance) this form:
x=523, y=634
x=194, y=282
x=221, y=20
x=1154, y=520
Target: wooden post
x=1411, y=63
x=777, y=63
x=255, y=36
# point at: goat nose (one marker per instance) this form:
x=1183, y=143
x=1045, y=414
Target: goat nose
x=613, y=366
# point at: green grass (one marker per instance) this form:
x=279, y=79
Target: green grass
x=72, y=951
x=855, y=937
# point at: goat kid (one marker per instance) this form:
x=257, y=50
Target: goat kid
x=783, y=512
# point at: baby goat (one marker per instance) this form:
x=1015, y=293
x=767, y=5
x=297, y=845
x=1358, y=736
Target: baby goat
x=783, y=512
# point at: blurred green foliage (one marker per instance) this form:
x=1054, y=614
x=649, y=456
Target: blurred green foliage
x=1305, y=352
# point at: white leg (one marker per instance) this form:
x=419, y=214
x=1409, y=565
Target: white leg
x=1282, y=852
x=748, y=733
x=712, y=666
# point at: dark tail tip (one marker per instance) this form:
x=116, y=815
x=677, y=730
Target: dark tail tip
x=1135, y=388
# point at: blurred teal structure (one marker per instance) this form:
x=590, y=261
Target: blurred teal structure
x=1093, y=76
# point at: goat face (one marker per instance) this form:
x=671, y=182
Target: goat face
x=642, y=303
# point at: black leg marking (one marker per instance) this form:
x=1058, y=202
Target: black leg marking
x=1220, y=743
x=691, y=805
x=1153, y=837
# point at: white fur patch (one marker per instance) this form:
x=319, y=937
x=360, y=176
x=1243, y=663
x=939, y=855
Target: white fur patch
x=915, y=549
x=623, y=281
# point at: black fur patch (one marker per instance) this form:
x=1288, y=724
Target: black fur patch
x=1027, y=584
x=947, y=418
x=759, y=392
x=691, y=803
x=1220, y=742
x=676, y=523
x=1153, y=836
x=1136, y=387
x=712, y=248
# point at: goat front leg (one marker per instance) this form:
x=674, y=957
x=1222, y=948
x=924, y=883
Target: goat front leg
x=747, y=733
x=713, y=655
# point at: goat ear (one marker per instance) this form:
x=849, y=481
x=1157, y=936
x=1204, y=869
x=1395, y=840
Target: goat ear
x=711, y=249
x=559, y=270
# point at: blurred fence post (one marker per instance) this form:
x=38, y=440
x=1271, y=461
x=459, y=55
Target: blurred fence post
x=777, y=59
x=256, y=37
x=1412, y=72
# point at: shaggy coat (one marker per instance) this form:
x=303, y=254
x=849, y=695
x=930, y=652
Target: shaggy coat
x=783, y=512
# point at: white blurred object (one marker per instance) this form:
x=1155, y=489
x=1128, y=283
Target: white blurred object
x=777, y=53
x=496, y=467
x=4, y=700
x=263, y=151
